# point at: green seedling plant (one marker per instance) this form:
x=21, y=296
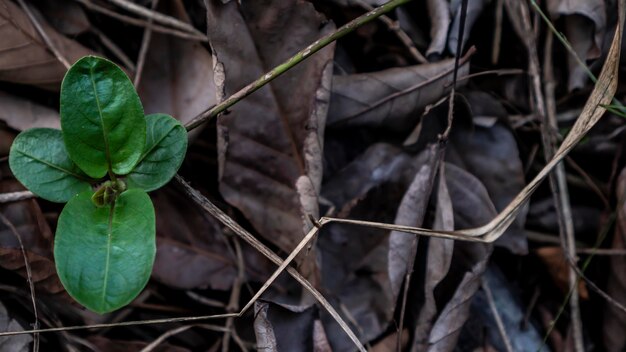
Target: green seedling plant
x=102, y=162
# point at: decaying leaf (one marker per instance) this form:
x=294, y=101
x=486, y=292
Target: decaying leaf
x=411, y=212
x=21, y=114
x=270, y=143
x=615, y=320
x=178, y=74
x=18, y=343
x=25, y=58
x=281, y=327
x=66, y=16
x=37, y=238
x=558, y=268
x=390, y=98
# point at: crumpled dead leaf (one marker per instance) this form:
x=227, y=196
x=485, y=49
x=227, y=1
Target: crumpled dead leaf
x=390, y=98
x=25, y=58
x=270, y=143
x=178, y=74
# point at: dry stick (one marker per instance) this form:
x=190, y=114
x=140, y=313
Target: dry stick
x=29, y=278
x=205, y=204
x=15, y=196
x=497, y=32
x=233, y=303
x=291, y=62
x=559, y=187
x=394, y=26
x=156, y=16
x=142, y=23
x=459, y=48
x=496, y=316
x=143, y=50
x=44, y=35
x=109, y=44
x=589, y=181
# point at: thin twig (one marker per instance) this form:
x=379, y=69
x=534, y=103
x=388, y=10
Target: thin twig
x=109, y=44
x=291, y=62
x=394, y=26
x=142, y=23
x=497, y=32
x=496, y=316
x=233, y=303
x=459, y=48
x=16, y=196
x=156, y=16
x=143, y=50
x=55, y=51
x=29, y=278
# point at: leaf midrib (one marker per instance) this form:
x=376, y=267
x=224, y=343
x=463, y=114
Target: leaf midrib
x=53, y=166
x=104, y=132
x=144, y=155
x=107, y=263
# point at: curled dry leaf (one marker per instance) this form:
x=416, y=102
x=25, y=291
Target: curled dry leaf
x=440, y=19
x=25, y=58
x=270, y=143
x=18, y=343
x=178, y=74
x=22, y=114
x=585, y=23
x=614, y=319
x=390, y=98
x=411, y=212
x=282, y=327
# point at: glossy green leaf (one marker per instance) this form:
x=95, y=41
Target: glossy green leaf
x=166, y=144
x=40, y=162
x=104, y=255
x=101, y=118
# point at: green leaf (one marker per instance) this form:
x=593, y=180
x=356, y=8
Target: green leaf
x=101, y=118
x=40, y=162
x=104, y=255
x=166, y=145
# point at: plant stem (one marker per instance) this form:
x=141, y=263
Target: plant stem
x=293, y=61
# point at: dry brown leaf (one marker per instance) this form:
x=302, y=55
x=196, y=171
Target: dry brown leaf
x=178, y=74
x=558, y=268
x=105, y=344
x=390, y=98
x=474, y=10
x=411, y=212
x=21, y=114
x=439, y=252
x=25, y=58
x=270, y=144
x=37, y=238
x=615, y=320
x=390, y=343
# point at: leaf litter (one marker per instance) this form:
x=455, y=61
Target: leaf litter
x=319, y=141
